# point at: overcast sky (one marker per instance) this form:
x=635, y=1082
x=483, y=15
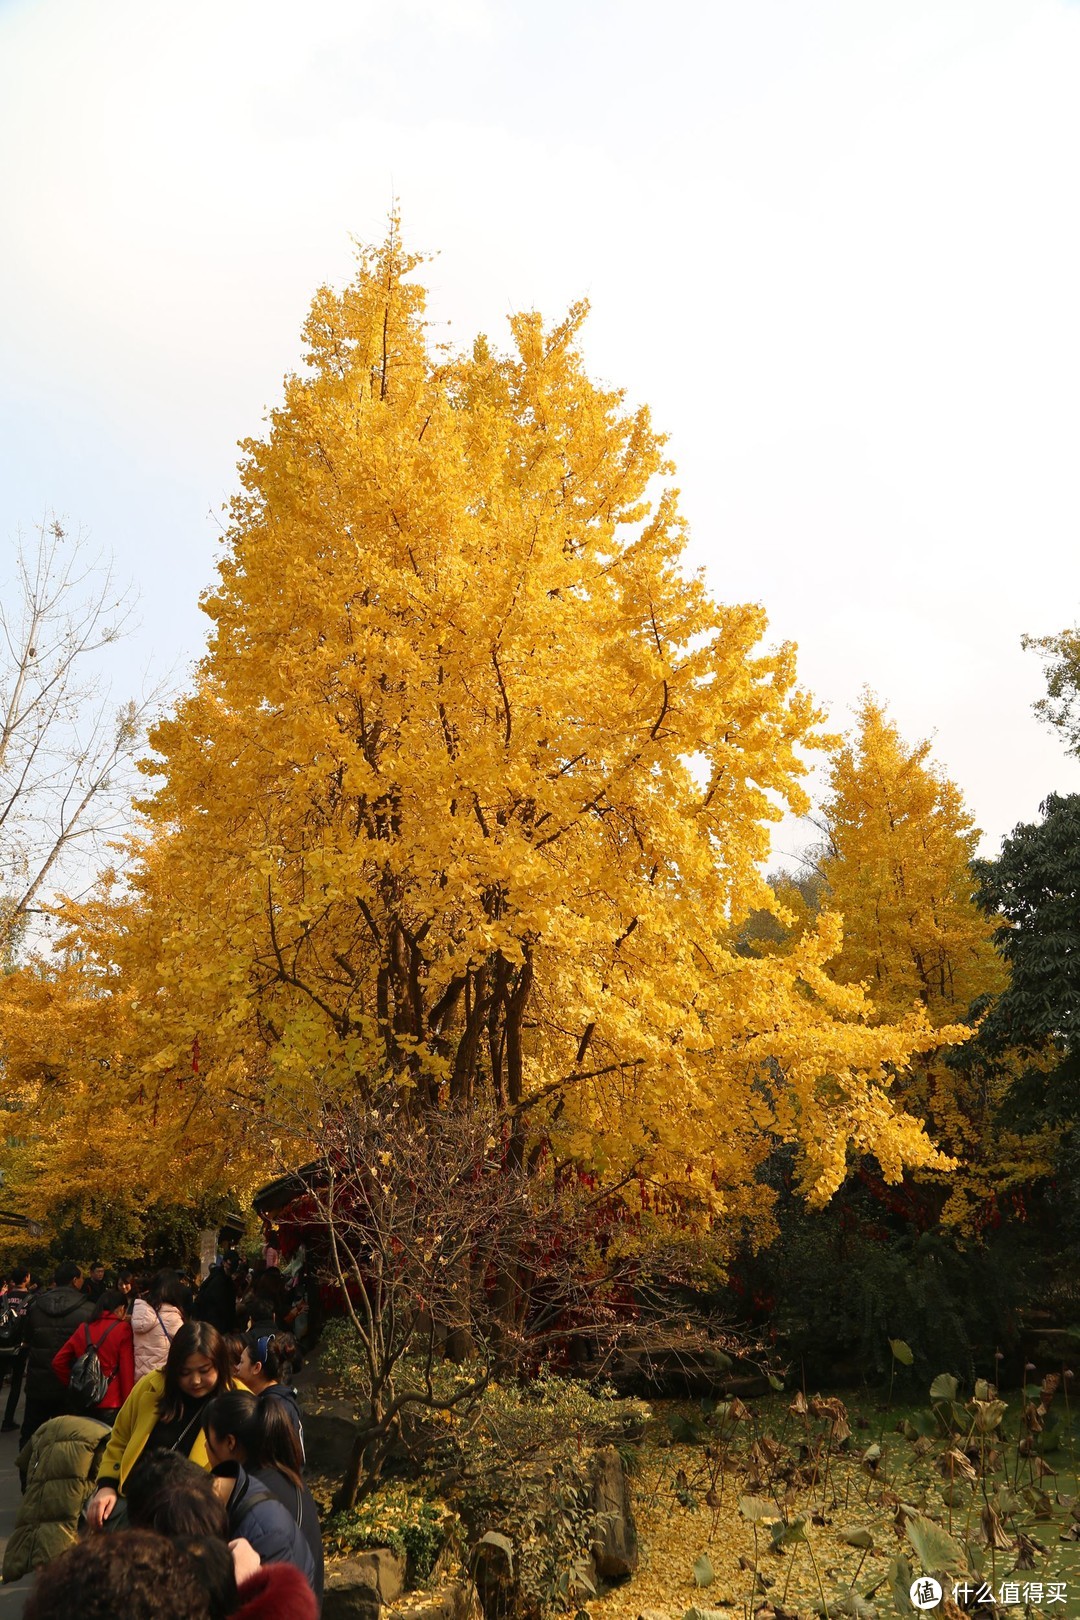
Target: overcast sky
x=835, y=244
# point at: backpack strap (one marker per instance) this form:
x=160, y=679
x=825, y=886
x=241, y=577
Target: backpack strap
x=254, y=1496
x=161, y=1324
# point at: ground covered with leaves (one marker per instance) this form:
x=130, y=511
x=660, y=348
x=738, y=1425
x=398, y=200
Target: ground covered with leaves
x=796, y=1504
x=802, y=1504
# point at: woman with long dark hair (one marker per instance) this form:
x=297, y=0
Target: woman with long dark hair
x=254, y=1452
x=164, y=1412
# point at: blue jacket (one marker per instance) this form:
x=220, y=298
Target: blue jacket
x=256, y=1514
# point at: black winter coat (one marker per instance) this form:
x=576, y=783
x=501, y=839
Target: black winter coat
x=299, y=1502
x=216, y=1301
x=51, y=1318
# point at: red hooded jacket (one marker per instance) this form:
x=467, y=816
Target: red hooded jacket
x=275, y=1592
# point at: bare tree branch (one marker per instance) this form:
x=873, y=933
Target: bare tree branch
x=65, y=752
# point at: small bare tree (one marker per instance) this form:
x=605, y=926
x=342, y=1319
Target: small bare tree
x=63, y=745
x=459, y=1265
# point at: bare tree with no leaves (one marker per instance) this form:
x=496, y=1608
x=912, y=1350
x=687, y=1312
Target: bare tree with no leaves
x=64, y=746
x=458, y=1265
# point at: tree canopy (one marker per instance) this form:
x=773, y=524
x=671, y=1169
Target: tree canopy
x=898, y=866
x=469, y=799
x=1032, y=890
x=1061, y=705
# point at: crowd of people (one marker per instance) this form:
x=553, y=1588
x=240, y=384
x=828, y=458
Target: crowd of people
x=161, y=1451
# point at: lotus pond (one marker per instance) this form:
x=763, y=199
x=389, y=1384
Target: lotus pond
x=799, y=1504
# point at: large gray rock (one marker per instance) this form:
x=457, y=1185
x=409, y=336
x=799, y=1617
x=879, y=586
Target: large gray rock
x=342, y=1602
x=358, y=1588
x=383, y=1570
x=329, y=1435
x=615, y=1543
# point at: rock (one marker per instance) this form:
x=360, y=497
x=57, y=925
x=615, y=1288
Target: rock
x=355, y=1602
x=357, y=1588
x=383, y=1570
x=457, y=1600
x=329, y=1433
x=615, y=1545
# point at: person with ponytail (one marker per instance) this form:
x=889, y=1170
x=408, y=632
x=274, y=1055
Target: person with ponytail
x=263, y=1363
x=164, y=1412
x=254, y=1453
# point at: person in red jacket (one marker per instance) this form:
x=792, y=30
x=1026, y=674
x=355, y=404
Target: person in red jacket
x=274, y=1592
x=109, y=1330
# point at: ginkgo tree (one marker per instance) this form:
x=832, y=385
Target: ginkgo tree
x=897, y=865
x=472, y=791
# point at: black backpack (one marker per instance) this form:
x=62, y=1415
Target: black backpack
x=12, y=1312
x=88, y=1383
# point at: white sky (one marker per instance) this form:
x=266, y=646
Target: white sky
x=834, y=243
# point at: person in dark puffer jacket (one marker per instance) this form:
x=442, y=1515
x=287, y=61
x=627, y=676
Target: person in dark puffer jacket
x=51, y=1318
x=59, y=1466
x=251, y=1443
x=258, y=1516
x=170, y=1494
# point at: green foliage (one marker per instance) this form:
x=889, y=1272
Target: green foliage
x=524, y=1457
x=159, y=1233
x=546, y=1516
x=841, y=1294
x=413, y=1526
x=899, y=1579
x=1034, y=887
x=935, y=1548
x=520, y=1420
x=339, y=1355
x=1061, y=705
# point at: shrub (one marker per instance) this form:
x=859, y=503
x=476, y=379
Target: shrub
x=839, y=1290
x=413, y=1526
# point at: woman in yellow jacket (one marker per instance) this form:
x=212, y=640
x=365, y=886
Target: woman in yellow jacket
x=164, y=1413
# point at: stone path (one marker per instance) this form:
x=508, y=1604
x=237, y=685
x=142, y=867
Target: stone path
x=13, y=1595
